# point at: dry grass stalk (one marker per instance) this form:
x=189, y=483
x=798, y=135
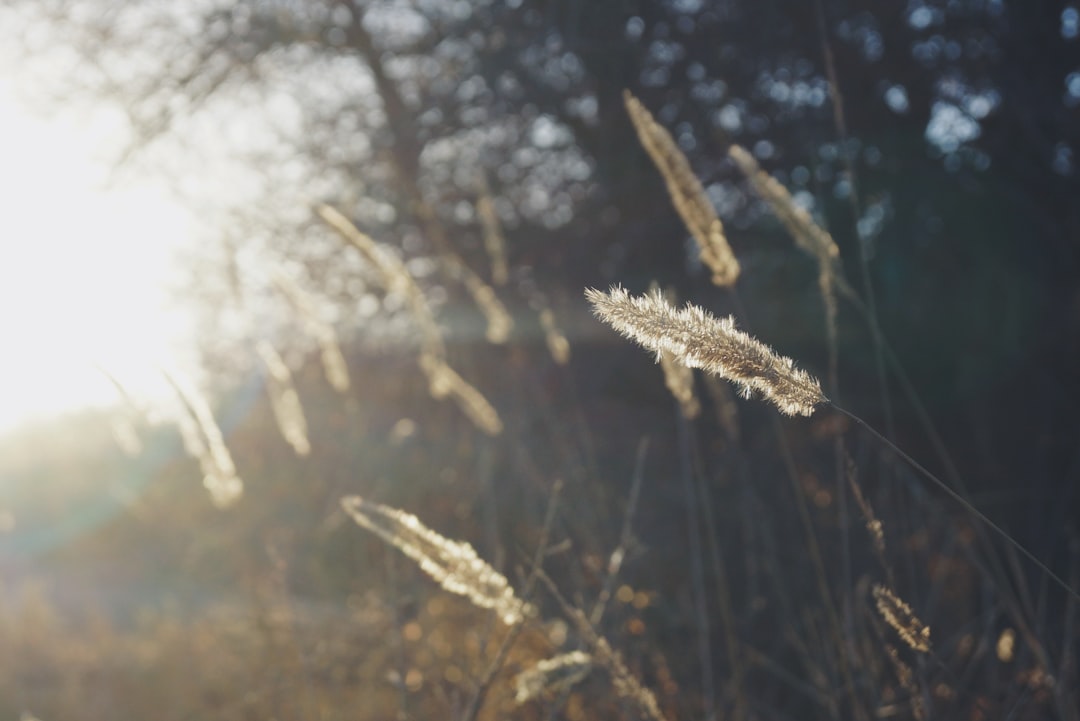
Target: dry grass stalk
x=558, y=345
x=827, y=279
x=698, y=339
x=190, y=435
x=123, y=392
x=552, y=675
x=625, y=683
x=808, y=235
x=395, y=277
x=284, y=399
x=499, y=322
x=204, y=440
x=687, y=194
x=494, y=240
x=453, y=564
x=873, y=526
x=123, y=427
x=444, y=381
x=678, y=378
x=333, y=361
x=498, y=319
x=906, y=677
x=899, y=615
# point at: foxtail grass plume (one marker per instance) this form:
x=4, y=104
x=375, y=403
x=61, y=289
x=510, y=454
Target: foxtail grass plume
x=808, y=235
x=552, y=675
x=558, y=345
x=687, y=194
x=284, y=400
x=499, y=322
x=899, y=615
x=874, y=527
x=333, y=361
x=678, y=377
x=190, y=435
x=698, y=339
x=625, y=683
x=123, y=427
x=394, y=275
x=443, y=382
x=907, y=680
x=203, y=438
x=453, y=564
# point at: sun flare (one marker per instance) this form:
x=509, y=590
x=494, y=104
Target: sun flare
x=85, y=265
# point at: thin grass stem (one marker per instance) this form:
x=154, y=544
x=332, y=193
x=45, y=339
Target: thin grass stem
x=962, y=501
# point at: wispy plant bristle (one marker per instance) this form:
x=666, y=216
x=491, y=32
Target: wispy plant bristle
x=499, y=322
x=123, y=427
x=190, y=435
x=204, y=440
x=687, y=194
x=625, y=683
x=808, y=235
x=284, y=400
x=333, y=361
x=678, y=377
x=557, y=344
x=395, y=276
x=552, y=675
x=874, y=527
x=906, y=677
x=453, y=564
x=444, y=381
x=698, y=339
x=899, y=615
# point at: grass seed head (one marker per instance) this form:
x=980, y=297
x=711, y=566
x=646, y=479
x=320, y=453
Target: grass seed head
x=899, y=615
x=687, y=193
x=453, y=564
x=698, y=339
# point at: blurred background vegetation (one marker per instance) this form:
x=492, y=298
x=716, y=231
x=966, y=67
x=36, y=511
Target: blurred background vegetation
x=943, y=162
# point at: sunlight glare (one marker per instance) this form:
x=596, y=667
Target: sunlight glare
x=85, y=266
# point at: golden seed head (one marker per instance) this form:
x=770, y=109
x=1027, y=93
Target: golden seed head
x=697, y=339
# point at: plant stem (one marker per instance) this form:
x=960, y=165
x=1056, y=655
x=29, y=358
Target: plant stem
x=960, y=499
